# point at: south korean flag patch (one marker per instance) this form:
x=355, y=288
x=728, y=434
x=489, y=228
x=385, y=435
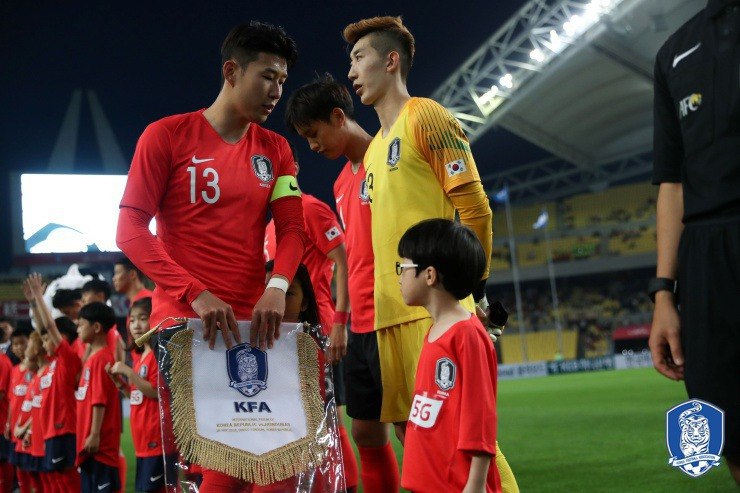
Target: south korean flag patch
x=456, y=167
x=332, y=233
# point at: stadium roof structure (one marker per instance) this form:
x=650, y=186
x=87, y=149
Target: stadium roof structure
x=574, y=77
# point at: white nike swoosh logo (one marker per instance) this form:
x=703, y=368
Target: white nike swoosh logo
x=102, y=487
x=683, y=55
x=340, y=198
x=196, y=161
x=57, y=460
x=153, y=479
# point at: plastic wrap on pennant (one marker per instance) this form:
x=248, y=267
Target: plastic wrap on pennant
x=262, y=417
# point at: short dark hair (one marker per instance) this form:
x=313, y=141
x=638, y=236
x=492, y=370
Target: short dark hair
x=451, y=248
x=315, y=102
x=311, y=313
x=127, y=264
x=144, y=303
x=99, y=312
x=389, y=34
x=65, y=297
x=20, y=332
x=67, y=328
x=245, y=42
x=97, y=286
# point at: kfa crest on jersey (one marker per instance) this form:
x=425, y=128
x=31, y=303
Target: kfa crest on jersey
x=695, y=436
x=143, y=371
x=394, y=153
x=364, y=193
x=247, y=369
x=262, y=167
x=445, y=374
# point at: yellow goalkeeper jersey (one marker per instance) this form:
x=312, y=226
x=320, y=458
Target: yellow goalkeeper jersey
x=410, y=171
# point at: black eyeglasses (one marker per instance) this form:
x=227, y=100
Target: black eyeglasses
x=400, y=267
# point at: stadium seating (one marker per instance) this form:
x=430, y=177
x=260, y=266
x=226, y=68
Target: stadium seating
x=541, y=346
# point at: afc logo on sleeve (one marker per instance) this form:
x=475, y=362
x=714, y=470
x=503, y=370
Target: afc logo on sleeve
x=424, y=411
x=332, y=233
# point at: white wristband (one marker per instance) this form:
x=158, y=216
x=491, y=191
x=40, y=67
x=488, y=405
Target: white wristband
x=281, y=284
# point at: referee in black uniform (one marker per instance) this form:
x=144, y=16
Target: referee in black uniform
x=697, y=165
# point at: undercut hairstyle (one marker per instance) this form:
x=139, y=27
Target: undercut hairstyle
x=67, y=328
x=451, y=248
x=311, y=314
x=315, y=102
x=126, y=263
x=97, y=286
x=388, y=34
x=64, y=298
x=245, y=42
x=100, y=313
x=20, y=332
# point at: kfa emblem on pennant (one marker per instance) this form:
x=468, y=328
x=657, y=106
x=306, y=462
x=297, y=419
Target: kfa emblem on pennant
x=394, y=152
x=695, y=436
x=247, y=368
x=445, y=374
x=262, y=168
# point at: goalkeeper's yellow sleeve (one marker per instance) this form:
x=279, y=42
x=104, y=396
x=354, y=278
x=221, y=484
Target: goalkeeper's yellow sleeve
x=471, y=203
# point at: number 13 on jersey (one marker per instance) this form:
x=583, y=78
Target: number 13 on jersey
x=211, y=185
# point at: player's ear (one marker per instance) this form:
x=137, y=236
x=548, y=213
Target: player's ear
x=229, y=72
x=337, y=117
x=97, y=328
x=393, y=62
x=431, y=276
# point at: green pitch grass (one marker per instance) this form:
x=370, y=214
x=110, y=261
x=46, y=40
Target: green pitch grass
x=586, y=432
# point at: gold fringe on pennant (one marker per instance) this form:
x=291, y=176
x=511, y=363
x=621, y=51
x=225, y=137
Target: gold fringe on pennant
x=277, y=465
x=141, y=340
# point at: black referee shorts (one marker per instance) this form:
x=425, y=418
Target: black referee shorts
x=364, y=388
x=709, y=285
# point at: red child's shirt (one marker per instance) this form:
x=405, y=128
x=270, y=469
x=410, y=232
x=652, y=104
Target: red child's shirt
x=145, y=426
x=97, y=388
x=6, y=371
x=37, y=426
x=58, y=384
x=453, y=413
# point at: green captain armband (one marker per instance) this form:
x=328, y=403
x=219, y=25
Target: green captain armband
x=285, y=186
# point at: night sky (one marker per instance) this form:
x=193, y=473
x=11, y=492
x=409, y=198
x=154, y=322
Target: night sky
x=149, y=60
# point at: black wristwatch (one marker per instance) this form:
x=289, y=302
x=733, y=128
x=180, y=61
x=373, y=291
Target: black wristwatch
x=661, y=284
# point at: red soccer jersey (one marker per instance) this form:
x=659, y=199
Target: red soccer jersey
x=97, y=388
x=453, y=412
x=22, y=412
x=6, y=371
x=210, y=200
x=19, y=380
x=145, y=428
x=37, y=426
x=58, y=384
x=111, y=339
x=323, y=235
x=79, y=348
x=350, y=194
